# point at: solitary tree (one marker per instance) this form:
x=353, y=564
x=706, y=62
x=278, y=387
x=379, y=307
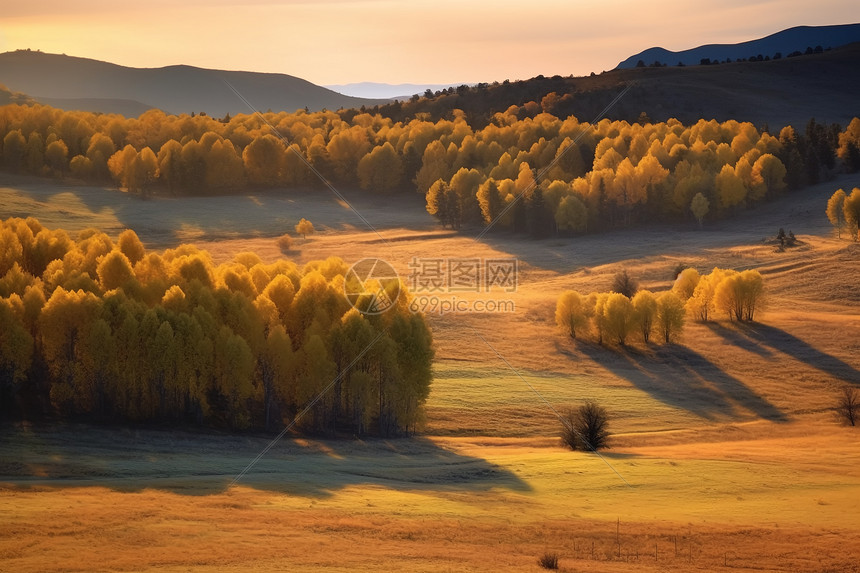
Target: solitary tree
x=305, y=228
x=586, y=428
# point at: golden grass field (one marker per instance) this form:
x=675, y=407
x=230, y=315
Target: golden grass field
x=726, y=452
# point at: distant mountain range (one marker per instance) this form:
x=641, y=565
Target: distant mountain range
x=786, y=42
x=78, y=83
x=389, y=91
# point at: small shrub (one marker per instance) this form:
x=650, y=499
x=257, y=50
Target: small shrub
x=284, y=242
x=587, y=428
x=848, y=406
x=679, y=268
x=624, y=284
x=549, y=561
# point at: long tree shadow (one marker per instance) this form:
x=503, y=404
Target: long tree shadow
x=683, y=378
x=163, y=220
x=736, y=338
x=769, y=336
x=205, y=464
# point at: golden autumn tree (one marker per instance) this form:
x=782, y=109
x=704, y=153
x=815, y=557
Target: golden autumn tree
x=851, y=211
x=573, y=313
x=263, y=159
x=645, y=313
x=699, y=206
x=768, y=176
x=305, y=228
x=739, y=295
x=434, y=166
x=730, y=188
x=835, y=211
x=381, y=170
x=685, y=283
x=670, y=316
x=57, y=156
x=16, y=354
x=225, y=168
x=345, y=149
x=14, y=150
x=64, y=324
x=618, y=316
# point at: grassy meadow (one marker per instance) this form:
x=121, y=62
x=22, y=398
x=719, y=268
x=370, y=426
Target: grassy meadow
x=725, y=454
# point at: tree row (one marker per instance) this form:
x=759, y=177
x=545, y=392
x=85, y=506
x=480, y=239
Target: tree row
x=569, y=176
x=615, y=317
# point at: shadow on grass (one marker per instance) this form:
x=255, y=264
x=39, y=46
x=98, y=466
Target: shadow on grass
x=190, y=463
x=163, y=220
x=766, y=336
x=683, y=378
x=736, y=338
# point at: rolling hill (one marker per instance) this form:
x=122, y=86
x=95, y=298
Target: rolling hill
x=782, y=92
x=796, y=39
x=91, y=85
x=383, y=90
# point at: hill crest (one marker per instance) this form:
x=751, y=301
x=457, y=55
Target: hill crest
x=96, y=86
x=785, y=42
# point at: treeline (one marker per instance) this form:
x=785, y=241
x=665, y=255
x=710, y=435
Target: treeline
x=615, y=317
x=105, y=330
x=574, y=177
x=618, y=174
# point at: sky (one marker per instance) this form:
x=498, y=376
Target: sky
x=397, y=41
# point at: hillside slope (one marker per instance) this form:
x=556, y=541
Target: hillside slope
x=784, y=42
x=779, y=93
x=60, y=79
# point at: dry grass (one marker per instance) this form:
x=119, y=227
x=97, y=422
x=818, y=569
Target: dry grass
x=728, y=442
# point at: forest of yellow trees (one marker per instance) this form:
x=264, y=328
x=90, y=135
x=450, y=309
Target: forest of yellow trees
x=573, y=177
x=105, y=330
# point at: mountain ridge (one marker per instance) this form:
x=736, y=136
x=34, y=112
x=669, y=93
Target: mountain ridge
x=785, y=42
x=390, y=91
x=174, y=89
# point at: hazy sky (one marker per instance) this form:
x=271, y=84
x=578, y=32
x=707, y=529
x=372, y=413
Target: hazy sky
x=395, y=41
